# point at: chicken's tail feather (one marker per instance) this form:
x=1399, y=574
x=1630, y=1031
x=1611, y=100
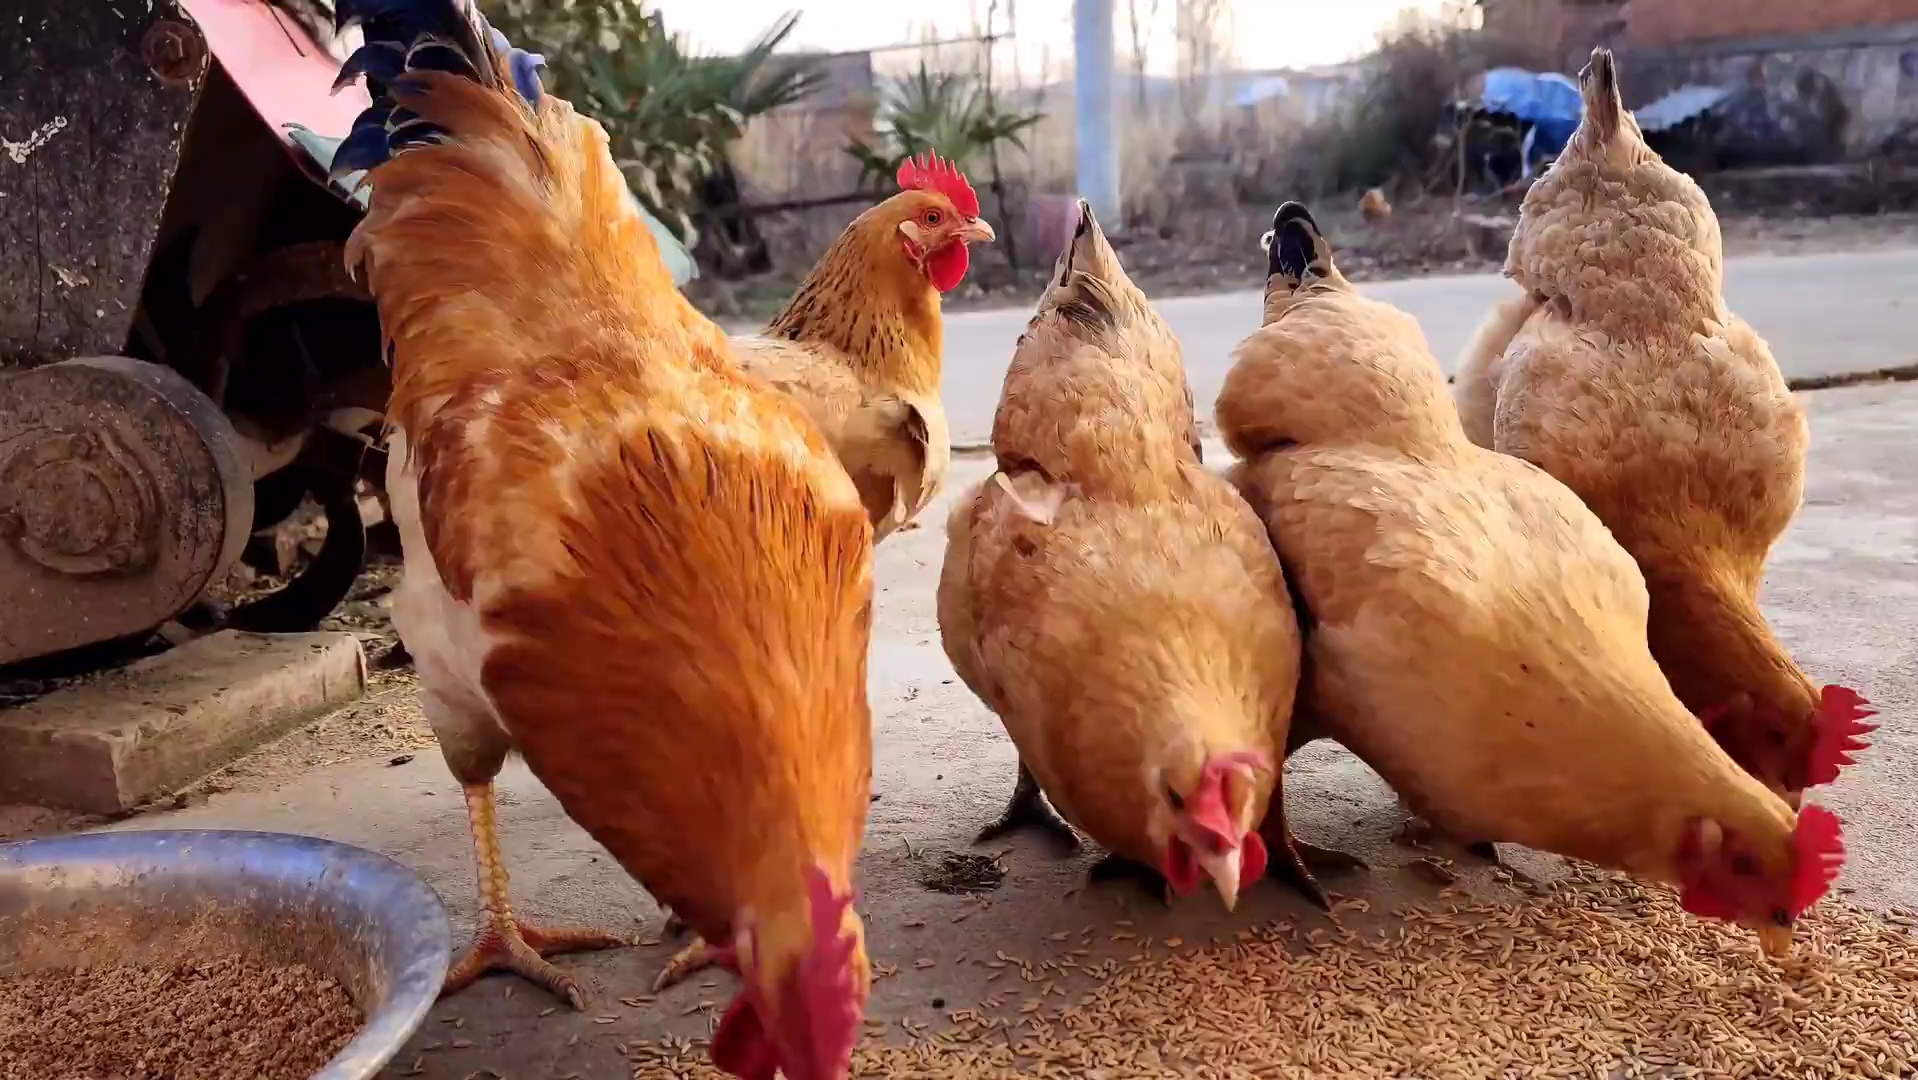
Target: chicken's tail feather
x=407, y=37
x=500, y=230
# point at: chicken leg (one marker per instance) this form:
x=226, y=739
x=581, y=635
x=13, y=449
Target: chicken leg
x=1417, y=831
x=1294, y=859
x=502, y=941
x=1029, y=808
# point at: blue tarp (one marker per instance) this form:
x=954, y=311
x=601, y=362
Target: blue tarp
x=1545, y=99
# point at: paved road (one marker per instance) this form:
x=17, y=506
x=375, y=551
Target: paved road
x=1823, y=314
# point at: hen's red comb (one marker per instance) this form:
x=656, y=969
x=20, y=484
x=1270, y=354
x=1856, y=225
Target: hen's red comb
x=930, y=172
x=1841, y=727
x=1206, y=807
x=1819, y=847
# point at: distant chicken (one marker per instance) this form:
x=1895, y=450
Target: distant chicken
x=1373, y=206
x=1118, y=606
x=1473, y=632
x=861, y=343
x=1622, y=373
x=625, y=560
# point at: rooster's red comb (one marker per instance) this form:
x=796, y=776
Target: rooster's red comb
x=930, y=172
x=1841, y=727
x=832, y=946
x=1819, y=847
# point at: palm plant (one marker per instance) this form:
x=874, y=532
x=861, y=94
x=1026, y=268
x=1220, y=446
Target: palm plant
x=672, y=115
x=944, y=111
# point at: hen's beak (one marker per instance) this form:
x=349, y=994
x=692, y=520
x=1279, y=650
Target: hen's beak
x=1223, y=869
x=1775, y=940
x=976, y=231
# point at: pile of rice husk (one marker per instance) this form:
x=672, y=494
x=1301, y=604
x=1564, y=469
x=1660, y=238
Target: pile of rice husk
x=1594, y=977
x=206, y=1019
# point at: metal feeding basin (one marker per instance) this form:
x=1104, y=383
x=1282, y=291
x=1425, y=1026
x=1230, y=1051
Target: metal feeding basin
x=357, y=916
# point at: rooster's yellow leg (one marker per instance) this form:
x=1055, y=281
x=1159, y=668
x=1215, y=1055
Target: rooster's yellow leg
x=502, y=942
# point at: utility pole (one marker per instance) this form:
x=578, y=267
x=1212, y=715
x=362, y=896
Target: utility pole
x=1098, y=141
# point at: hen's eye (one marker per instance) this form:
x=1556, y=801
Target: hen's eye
x=1744, y=864
x=932, y=217
x=1177, y=800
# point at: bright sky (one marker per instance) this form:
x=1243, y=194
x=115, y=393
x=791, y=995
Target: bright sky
x=1267, y=33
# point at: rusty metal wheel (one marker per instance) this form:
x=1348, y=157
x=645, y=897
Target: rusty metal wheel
x=124, y=491
x=330, y=464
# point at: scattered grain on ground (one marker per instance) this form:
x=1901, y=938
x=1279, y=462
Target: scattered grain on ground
x=192, y=1020
x=1595, y=977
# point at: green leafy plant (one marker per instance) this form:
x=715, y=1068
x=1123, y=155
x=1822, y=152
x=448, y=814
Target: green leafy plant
x=672, y=115
x=944, y=111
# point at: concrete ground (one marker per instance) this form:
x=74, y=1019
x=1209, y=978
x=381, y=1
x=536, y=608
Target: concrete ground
x=1824, y=315
x=1843, y=591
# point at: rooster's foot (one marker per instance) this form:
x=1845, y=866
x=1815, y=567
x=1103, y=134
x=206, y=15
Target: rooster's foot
x=694, y=958
x=1119, y=868
x=503, y=942
x=510, y=945
x=1029, y=808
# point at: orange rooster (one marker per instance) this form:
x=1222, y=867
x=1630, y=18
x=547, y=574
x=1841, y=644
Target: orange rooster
x=1473, y=632
x=861, y=342
x=625, y=559
x=1622, y=373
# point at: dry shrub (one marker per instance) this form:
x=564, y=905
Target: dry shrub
x=1386, y=136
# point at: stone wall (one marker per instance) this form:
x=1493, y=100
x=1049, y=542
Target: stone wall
x=1808, y=97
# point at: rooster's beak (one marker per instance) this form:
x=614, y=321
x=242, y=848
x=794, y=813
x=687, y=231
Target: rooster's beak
x=1223, y=869
x=976, y=231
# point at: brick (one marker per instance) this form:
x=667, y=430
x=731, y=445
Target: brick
x=114, y=741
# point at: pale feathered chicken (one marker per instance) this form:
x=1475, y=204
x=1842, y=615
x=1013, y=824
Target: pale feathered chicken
x=1473, y=632
x=1118, y=606
x=1622, y=373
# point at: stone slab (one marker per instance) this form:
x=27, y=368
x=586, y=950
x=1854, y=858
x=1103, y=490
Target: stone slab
x=115, y=741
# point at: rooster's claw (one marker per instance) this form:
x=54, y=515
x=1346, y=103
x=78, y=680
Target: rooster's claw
x=521, y=948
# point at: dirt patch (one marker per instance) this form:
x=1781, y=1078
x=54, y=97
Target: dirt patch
x=961, y=872
x=188, y=1020
x=1596, y=976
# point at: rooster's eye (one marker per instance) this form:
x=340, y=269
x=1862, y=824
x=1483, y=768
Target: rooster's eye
x=1744, y=865
x=1177, y=800
x=932, y=217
